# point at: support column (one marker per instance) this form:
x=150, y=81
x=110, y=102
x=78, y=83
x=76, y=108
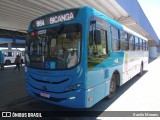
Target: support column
x=9, y=46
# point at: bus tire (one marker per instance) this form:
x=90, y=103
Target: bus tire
x=112, y=88
x=7, y=62
x=141, y=70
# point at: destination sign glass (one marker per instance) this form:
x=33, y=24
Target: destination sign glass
x=54, y=18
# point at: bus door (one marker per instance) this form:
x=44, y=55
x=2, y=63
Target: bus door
x=97, y=55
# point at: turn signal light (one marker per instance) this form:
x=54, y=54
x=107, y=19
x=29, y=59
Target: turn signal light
x=73, y=87
x=90, y=99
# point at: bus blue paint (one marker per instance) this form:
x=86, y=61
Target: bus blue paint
x=87, y=81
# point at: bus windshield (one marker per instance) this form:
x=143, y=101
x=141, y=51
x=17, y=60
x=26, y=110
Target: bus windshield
x=54, y=48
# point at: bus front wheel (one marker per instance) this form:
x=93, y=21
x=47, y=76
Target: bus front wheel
x=7, y=62
x=112, y=88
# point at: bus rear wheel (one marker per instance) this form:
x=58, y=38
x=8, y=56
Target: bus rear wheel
x=141, y=70
x=112, y=88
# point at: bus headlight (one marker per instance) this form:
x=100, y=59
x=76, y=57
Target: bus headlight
x=72, y=98
x=74, y=87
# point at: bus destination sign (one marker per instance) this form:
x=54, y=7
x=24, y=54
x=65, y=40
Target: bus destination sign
x=54, y=18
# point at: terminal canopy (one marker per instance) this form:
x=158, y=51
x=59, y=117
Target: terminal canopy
x=17, y=14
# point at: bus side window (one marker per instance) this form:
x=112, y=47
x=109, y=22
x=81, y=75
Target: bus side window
x=115, y=39
x=124, y=41
x=140, y=44
x=10, y=54
x=143, y=45
x=97, y=52
x=131, y=42
x=146, y=46
x=137, y=47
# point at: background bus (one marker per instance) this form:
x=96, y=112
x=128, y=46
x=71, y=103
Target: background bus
x=10, y=55
x=77, y=57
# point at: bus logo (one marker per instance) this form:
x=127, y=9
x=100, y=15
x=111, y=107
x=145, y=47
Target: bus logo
x=101, y=71
x=116, y=60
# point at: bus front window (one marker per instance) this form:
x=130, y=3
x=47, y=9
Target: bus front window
x=54, y=48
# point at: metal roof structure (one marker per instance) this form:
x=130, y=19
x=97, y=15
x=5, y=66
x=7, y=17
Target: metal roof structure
x=137, y=19
x=16, y=14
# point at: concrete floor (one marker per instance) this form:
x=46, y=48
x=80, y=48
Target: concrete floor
x=12, y=85
x=138, y=94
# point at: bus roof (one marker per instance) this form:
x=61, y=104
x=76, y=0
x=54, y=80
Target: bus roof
x=134, y=33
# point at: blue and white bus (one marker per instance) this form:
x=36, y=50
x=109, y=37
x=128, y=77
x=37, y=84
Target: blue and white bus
x=77, y=57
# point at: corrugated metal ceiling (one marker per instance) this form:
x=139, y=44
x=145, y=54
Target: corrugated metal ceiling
x=16, y=14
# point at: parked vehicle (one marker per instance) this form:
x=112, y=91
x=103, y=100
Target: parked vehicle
x=10, y=55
